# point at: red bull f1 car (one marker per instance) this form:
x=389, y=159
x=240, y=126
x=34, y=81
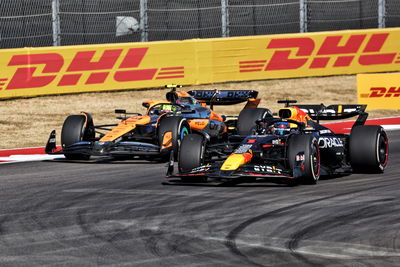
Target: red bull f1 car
x=161, y=129
x=292, y=148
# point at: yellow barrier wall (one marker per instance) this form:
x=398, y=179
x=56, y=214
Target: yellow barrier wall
x=58, y=70
x=379, y=91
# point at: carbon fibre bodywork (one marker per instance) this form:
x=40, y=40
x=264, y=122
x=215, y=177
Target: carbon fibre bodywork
x=260, y=156
x=278, y=157
x=145, y=135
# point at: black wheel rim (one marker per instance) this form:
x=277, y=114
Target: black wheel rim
x=184, y=132
x=315, y=161
x=382, y=149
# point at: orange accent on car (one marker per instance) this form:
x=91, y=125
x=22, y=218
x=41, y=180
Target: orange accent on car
x=215, y=116
x=248, y=156
x=182, y=94
x=86, y=118
x=294, y=113
x=167, y=140
x=147, y=104
x=159, y=118
x=124, y=127
x=234, y=161
x=252, y=103
x=225, y=129
x=198, y=124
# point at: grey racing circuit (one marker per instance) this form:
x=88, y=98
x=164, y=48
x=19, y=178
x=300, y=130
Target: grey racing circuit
x=118, y=213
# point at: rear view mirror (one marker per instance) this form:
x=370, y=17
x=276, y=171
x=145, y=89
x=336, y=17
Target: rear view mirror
x=120, y=111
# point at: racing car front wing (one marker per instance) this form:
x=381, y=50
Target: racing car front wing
x=97, y=148
x=257, y=171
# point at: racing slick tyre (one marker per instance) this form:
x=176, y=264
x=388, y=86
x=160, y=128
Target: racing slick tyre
x=74, y=130
x=178, y=127
x=191, y=156
x=368, y=149
x=247, y=119
x=311, y=166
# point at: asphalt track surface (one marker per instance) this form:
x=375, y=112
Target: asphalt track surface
x=57, y=213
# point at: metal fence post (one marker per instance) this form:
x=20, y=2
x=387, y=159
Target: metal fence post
x=303, y=16
x=143, y=26
x=225, y=18
x=55, y=8
x=381, y=13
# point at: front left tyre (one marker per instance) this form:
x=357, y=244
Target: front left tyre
x=76, y=128
x=306, y=145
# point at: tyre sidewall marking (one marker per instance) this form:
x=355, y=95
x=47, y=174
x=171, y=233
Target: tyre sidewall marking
x=314, y=146
x=179, y=133
x=382, y=165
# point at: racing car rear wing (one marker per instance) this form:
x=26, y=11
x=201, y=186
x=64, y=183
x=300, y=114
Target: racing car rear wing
x=332, y=112
x=223, y=97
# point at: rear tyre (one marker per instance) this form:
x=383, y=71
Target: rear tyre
x=179, y=127
x=311, y=167
x=369, y=149
x=248, y=117
x=191, y=155
x=73, y=131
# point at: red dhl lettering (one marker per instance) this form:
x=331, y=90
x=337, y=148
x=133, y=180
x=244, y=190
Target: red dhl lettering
x=27, y=74
x=378, y=92
x=294, y=53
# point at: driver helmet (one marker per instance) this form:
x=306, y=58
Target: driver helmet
x=187, y=102
x=167, y=108
x=281, y=128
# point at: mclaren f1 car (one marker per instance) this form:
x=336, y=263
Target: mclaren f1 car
x=292, y=148
x=161, y=129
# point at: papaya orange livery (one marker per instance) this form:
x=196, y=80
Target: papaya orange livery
x=125, y=127
x=156, y=134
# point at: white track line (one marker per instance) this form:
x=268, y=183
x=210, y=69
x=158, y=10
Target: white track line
x=25, y=158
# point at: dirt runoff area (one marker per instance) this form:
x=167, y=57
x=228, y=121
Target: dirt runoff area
x=28, y=122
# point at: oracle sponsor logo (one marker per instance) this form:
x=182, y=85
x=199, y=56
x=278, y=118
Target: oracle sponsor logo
x=41, y=70
x=382, y=92
x=329, y=142
x=335, y=51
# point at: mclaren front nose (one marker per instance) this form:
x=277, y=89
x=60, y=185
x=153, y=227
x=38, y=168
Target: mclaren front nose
x=100, y=147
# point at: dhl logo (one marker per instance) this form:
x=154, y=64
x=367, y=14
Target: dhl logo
x=41, y=70
x=336, y=51
x=378, y=92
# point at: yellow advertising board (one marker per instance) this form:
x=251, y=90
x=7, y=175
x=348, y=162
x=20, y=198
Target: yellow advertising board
x=59, y=70
x=379, y=91
x=69, y=69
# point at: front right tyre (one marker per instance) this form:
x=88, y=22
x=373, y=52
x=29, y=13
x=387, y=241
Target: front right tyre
x=192, y=155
